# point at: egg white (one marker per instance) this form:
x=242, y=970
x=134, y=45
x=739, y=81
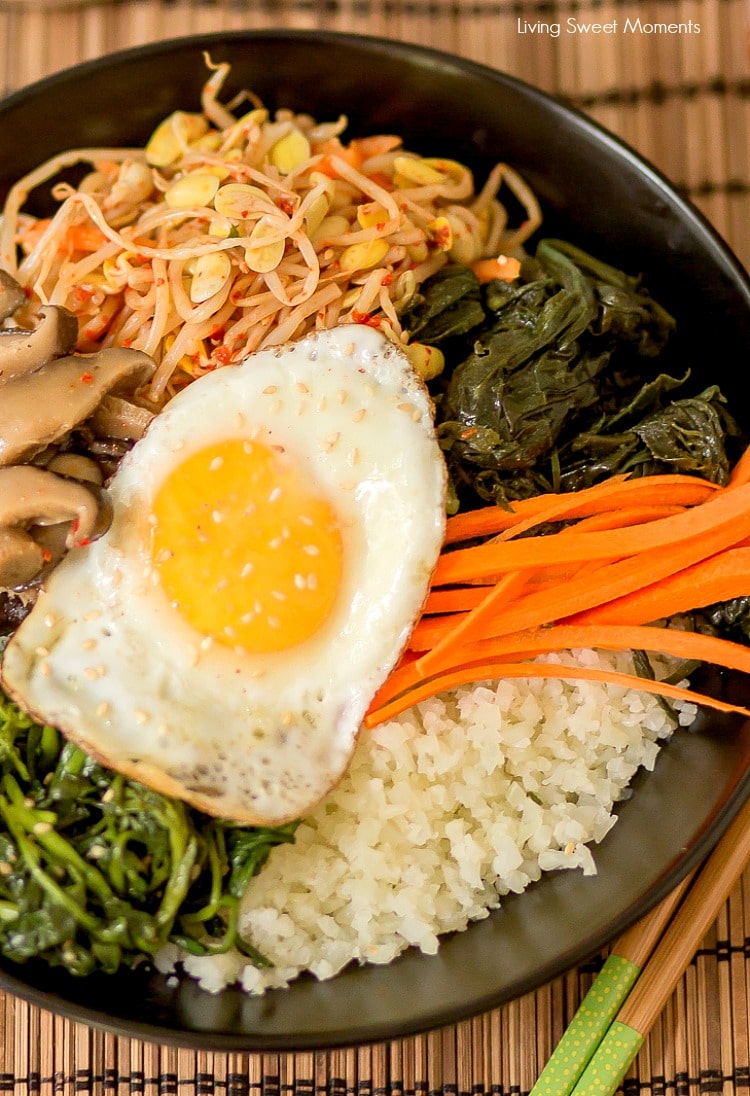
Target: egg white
x=259, y=738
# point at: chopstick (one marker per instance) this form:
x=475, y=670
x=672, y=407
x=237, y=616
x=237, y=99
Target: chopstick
x=605, y=1041
x=608, y=992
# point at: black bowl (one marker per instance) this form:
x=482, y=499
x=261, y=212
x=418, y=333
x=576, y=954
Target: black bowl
x=595, y=191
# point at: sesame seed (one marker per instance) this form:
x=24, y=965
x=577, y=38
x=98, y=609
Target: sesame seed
x=206, y=642
x=44, y=669
x=342, y=396
x=88, y=644
x=416, y=414
x=108, y=795
x=279, y=595
x=311, y=550
x=247, y=618
x=249, y=509
x=370, y=390
x=229, y=632
x=258, y=606
x=152, y=519
x=275, y=495
x=140, y=716
x=358, y=415
x=300, y=409
x=246, y=570
x=42, y=652
x=306, y=520
x=332, y=439
x=349, y=349
x=270, y=389
x=116, y=577
x=322, y=403
x=41, y=827
x=406, y=407
x=50, y=621
x=102, y=710
x=312, y=581
x=93, y=615
x=164, y=555
x=217, y=517
x=302, y=387
x=101, y=671
x=273, y=622
x=91, y=673
x=216, y=464
x=353, y=456
x=285, y=532
x=300, y=581
x=222, y=584
x=287, y=719
x=275, y=543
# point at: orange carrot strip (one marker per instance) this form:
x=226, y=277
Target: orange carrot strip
x=726, y=510
x=611, y=637
x=619, y=518
x=84, y=237
x=455, y=600
x=560, y=637
x=492, y=670
x=741, y=472
x=376, y=145
x=674, y=488
x=471, y=623
x=720, y=577
x=502, y=268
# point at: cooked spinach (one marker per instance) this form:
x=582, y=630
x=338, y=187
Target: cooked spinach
x=98, y=871
x=558, y=383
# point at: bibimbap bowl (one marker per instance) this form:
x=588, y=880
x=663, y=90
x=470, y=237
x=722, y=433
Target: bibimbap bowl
x=598, y=194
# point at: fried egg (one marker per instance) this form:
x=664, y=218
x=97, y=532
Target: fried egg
x=273, y=539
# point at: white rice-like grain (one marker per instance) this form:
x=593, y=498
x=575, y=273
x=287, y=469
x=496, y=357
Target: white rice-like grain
x=469, y=796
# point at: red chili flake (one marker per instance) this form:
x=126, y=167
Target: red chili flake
x=126, y=342
x=286, y=205
x=366, y=318
x=387, y=279
x=441, y=237
x=27, y=292
x=46, y=555
x=466, y=434
x=83, y=542
x=160, y=281
x=87, y=378
x=222, y=355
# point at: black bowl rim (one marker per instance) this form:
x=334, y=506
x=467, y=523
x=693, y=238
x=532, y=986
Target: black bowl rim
x=736, y=798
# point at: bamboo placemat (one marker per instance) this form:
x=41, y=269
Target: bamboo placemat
x=683, y=100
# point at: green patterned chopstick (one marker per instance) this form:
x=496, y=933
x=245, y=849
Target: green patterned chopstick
x=616, y=1048
x=601, y=1004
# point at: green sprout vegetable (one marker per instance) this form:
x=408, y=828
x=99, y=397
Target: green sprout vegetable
x=98, y=871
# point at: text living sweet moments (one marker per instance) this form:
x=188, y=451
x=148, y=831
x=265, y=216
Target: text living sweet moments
x=616, y=26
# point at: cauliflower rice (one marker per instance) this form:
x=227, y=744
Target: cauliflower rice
x=467, y=797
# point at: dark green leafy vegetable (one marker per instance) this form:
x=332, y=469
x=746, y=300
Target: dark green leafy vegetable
x=97, y=871
x=560, y=385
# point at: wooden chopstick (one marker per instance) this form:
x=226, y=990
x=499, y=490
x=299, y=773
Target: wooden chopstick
x=607, y=994
x=669, y=960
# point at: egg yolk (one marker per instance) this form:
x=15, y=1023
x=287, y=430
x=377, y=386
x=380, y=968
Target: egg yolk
x=247, y=550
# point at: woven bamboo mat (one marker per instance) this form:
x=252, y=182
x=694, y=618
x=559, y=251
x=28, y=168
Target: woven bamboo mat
x=683, y=100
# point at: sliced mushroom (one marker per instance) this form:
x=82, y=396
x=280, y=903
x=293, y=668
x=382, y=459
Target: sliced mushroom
x=12, y=295
x=23, y=351
x=118, y=418
x=21, y=558
x=76, y=466
x=42, y=407
x=31, y=496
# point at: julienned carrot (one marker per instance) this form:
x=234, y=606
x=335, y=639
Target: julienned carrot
x=718, y=578
x=614, y=492
x=560, y=637
x=741, y=472
x=502, y=269
x=599, y=583
x=84, y=237
x=613, y=580
x=728, y=510
x=494, y=669
x=471, y=623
